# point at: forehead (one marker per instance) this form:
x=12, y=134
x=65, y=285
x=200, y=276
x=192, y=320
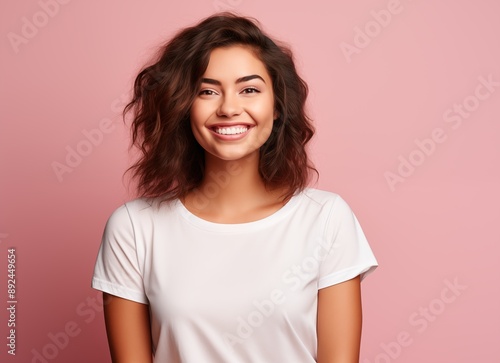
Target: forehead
x=234, y=61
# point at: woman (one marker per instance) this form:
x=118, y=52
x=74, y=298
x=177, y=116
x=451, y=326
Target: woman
x=226, y=255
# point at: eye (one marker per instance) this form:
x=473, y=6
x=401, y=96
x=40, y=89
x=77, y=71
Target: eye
x=251, y=90
x=207, y=92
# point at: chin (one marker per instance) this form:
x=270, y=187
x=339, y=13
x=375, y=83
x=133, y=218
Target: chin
x=234, y=156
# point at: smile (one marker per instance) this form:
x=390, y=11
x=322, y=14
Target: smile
x=231, y=130
x=230, y=133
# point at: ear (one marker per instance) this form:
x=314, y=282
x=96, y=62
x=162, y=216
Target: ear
x=276, y=115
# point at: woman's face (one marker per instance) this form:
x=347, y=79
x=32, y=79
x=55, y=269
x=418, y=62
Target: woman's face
x=232, y=115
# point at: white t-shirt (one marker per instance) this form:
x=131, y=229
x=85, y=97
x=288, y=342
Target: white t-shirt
x=232, y=293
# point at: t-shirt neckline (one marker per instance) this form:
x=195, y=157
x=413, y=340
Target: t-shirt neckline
x=238, y=227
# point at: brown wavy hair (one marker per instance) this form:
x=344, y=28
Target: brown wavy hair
x=171, y=162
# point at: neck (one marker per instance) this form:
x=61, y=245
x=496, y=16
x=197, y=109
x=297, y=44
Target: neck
x=232, y=188
x=232, y=183
x=233, y=192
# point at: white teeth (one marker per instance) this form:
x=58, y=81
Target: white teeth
x=231, y=130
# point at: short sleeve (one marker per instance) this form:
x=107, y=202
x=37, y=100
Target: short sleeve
x=349, y=253
x=117, y=269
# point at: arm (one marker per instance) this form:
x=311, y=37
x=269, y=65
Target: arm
x=339, y=322
x=128, y=330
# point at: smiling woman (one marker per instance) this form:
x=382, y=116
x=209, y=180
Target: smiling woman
x=233, y=116
x=266, y=269
x=195, y=72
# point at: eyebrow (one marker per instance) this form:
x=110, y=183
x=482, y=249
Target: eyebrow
x=239, y=80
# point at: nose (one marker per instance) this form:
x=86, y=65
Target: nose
x=229, y=106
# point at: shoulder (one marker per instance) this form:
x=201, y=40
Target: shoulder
x=134, y=222
x=332, y=204
x=138, y=210
x=320, y=197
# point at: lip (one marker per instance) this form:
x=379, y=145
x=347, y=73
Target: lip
x=230, y=124
x=230, y=137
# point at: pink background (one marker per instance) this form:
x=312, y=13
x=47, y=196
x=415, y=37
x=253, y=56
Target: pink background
x=438, y=224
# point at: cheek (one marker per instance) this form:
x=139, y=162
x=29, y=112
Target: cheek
x=196, y=122
x=193, y=113
x=196, y=115
x=196, y=130
x=264, y=111
x=197, y=134
x=265, y=130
